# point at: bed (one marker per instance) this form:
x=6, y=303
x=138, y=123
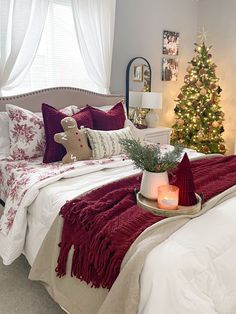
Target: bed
x=188, y=267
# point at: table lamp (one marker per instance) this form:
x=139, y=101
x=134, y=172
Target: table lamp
x=152, y=100
x=135, y=99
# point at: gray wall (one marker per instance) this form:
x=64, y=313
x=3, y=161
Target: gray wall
x=219, y=19
x=138, y=32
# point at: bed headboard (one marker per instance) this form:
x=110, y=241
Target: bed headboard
x=59, y=97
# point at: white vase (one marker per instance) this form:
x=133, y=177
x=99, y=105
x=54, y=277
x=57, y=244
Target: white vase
x=151, y=181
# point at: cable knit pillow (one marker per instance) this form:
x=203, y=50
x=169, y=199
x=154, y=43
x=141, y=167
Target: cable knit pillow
x=106, y=144
x=26, y=133
x=112, y=119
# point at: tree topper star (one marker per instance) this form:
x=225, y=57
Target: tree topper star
x=202, y=35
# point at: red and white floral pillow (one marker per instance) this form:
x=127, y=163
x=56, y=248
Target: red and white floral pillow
x=26, y=130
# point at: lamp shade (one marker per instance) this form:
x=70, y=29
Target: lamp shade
x=152, y=100
x=135, y=99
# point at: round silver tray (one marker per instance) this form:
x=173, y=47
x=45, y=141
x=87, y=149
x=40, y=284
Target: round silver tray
x=151, y=206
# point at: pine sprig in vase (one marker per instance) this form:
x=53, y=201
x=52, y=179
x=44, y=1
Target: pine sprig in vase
x=153, y=163
x=149, y=157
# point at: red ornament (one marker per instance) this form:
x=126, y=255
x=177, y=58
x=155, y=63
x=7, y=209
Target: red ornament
x=184, y=180
x=222, y=147
x=212, y=85
x=202, y=71
x=206, y=150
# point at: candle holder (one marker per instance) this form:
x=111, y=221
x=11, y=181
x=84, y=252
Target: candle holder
x=152, y=207
x=168, y=197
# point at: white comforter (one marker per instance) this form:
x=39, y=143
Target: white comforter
x=193, y=271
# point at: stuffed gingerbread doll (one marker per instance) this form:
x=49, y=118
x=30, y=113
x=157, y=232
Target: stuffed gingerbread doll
x=74, y=141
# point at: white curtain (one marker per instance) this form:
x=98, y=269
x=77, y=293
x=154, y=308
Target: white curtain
x=21, y=26
x=94, y=23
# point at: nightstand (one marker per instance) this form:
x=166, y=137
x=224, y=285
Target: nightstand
x=160, y=135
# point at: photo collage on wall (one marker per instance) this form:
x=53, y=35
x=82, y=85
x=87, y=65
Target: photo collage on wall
x=171, y=50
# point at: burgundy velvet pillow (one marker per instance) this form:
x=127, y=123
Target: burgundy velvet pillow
x=112, y=119
x=52, y=124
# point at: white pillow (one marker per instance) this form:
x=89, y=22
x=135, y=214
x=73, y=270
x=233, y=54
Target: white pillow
x=137, y=133
x=26, y=130
x=4, y=135
x=69, y=110
x=106, y=144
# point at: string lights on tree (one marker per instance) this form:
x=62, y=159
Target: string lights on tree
x=199, y=118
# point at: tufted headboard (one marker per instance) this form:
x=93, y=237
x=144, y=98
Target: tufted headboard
x=59, y=97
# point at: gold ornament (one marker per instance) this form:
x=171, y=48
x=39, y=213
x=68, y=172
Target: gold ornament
x=180, y=96
x=200, y=135
x=181, y=122
x=203, y=92
x=214, y=108
x=222, y=114
x=198, y=83
x=215, y=124
x=189, y=68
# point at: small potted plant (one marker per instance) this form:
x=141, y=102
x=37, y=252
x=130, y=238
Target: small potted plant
x=153, y=163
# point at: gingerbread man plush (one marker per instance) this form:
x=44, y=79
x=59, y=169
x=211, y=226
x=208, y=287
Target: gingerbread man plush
x=74, y=141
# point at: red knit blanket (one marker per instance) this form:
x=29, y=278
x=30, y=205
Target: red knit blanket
x=103, y=224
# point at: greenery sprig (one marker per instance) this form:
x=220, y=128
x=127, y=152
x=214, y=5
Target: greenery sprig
x=149, y=157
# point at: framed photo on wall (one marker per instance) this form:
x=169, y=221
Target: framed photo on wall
x=170, y=43
x=169, y=69
x=137, y=73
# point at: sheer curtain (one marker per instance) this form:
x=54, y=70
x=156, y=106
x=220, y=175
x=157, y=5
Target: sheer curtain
x=21, y=26
x=94, y=23
x=58, y=60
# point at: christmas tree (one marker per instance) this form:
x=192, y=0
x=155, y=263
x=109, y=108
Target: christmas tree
x=199, y=118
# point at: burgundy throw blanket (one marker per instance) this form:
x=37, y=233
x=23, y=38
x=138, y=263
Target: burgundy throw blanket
x=103, y=224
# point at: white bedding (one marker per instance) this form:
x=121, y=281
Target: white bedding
x=42, y=212
x=192, y=272
x=12, y=242
x=26, y=181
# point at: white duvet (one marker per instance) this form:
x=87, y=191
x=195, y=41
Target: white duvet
x=193, y=271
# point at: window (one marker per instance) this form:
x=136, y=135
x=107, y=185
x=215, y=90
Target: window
x=58, y=60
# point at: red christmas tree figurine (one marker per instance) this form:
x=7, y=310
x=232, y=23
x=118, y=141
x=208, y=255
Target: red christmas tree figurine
x=184, y=180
